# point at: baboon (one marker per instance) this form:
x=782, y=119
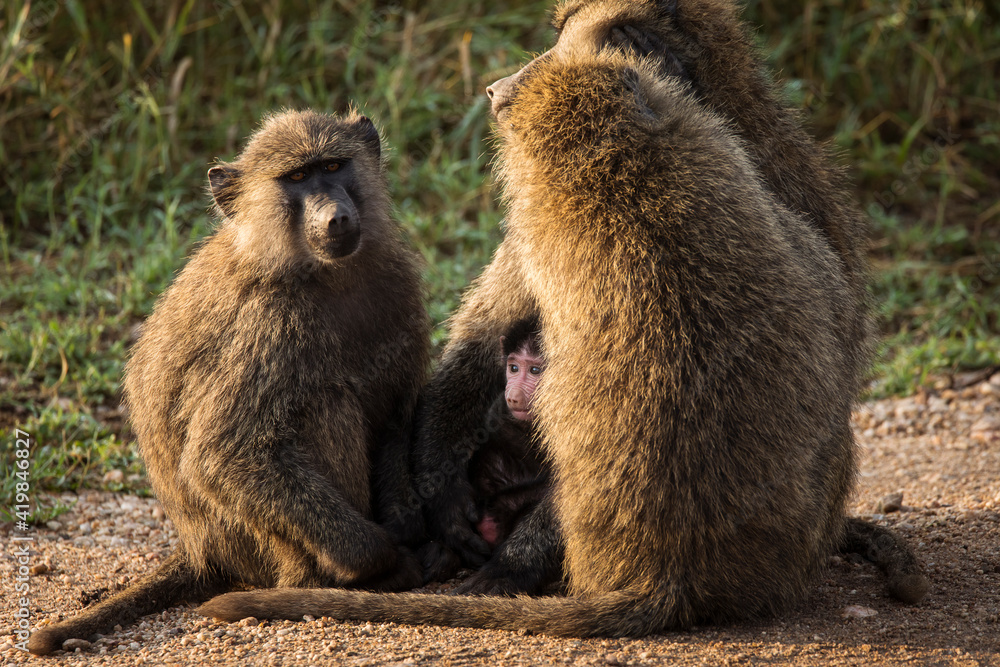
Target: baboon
x=509, y=474
x=285, y=356
x=713, y=52
x=704, y=343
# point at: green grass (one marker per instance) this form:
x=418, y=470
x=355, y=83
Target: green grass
x=110, y=116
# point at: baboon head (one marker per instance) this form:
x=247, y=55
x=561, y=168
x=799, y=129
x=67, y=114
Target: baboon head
x=302, y=190
x=641, y=28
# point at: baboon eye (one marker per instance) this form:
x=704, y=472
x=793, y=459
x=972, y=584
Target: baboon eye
x=535, y=370
x=297, y=176
x=332, y=166
x=514, y=368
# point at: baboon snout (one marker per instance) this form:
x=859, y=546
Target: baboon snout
x=333, y=227
x=516, y=400
x=500, y=93
x=339, y=222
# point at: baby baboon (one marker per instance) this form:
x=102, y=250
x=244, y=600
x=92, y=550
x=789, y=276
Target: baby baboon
x=703, y=352
x=509, y=474
x=286, y=354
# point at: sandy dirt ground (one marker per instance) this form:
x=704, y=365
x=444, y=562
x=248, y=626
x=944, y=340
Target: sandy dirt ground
x=940, y=450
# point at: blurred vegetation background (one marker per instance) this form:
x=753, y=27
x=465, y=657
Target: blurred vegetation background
x=110, y=115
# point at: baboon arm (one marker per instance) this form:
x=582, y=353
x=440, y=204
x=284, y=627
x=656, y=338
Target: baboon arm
x=452, y=419
x=276, y=490
x=526, y=561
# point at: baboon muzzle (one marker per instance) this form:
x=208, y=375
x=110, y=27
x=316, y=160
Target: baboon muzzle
x=332, y=225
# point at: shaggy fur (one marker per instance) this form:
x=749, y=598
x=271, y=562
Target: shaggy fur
x=265, y=380
x=700, y=290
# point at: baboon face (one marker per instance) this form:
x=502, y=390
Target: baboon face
x=585, y=27
x=297, y=187
x=524, y=369
x=318, y=201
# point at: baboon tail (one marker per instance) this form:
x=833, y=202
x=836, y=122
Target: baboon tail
x=616, y=614
x=173, y=581
x=891, y=554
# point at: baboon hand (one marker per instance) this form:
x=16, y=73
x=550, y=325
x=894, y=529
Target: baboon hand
x=454, y=518
x=461, y=536
x=643, y=44
x=404, y=525
x=371, y=553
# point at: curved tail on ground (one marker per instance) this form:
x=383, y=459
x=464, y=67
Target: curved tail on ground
x=610, y=614
x=173, y=581
x=891, y=554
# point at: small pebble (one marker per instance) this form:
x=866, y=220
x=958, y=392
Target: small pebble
x=855, y=611
x=74, y=644
x=891, y=503
x=114, y=477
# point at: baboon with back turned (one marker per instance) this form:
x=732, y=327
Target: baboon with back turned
x=706, y=45
x=704, y=345
x=285, y=357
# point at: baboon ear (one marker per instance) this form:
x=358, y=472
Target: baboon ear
x=369, y=134
x=222, y=180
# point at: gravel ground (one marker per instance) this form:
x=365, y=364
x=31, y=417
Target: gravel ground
x=940, y=450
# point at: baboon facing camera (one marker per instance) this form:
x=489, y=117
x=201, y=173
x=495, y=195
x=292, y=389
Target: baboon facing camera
x=277, y=370
x=704, y=338
x=509, y=474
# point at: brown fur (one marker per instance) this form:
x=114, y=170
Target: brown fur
x=706, y=334
x=269, y=374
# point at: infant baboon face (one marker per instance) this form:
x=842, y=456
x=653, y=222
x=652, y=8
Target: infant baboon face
x=524, y=370
x=318, y=195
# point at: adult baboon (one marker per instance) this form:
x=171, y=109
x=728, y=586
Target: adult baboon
x=704, y=345
x=285, y=356
x=712, y=51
